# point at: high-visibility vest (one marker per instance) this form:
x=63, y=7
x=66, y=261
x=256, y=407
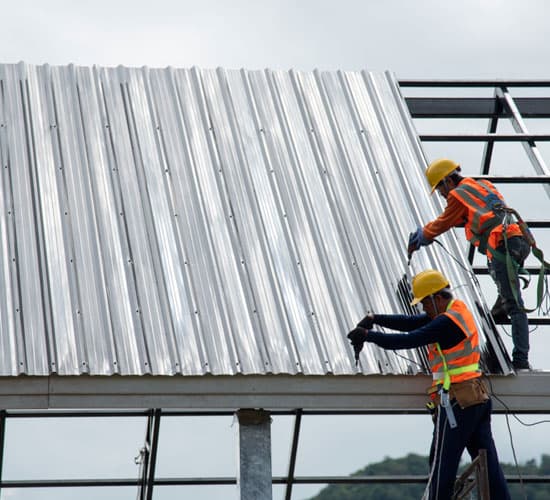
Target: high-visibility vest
x=485, y=215
x=460, y=362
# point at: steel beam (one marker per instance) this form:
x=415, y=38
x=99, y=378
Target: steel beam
x=277, y=392
x=532, y=270
x=226, y=481
x=475, y=107
x=524, y=179
x=519, y=137
x=149, y=456
x=491, y=129
x=473, y=83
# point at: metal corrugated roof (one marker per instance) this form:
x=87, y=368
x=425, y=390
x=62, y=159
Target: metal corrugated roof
x=190, y=221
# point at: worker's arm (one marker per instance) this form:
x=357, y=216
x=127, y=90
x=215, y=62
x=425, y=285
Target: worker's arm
x=441, y=329
x=455, y=214
x=400, y=322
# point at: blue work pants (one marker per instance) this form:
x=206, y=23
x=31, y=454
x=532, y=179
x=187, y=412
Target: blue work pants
x=473, y=432
x=519, y=250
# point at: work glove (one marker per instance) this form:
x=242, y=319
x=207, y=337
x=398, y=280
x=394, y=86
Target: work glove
x=367, y=322
x=357, y=337
x=417, y=240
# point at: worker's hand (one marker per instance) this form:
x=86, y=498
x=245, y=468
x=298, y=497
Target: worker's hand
x=417, y=240
x=357, y=337
x=367, y=322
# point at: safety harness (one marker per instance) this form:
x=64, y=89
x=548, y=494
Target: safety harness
x=490, y=211
x=512, y=266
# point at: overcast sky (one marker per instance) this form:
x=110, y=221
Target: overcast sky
x=435, y=39
x=415, y=39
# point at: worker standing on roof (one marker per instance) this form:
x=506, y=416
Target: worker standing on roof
x=459, y=399
x=479, y=206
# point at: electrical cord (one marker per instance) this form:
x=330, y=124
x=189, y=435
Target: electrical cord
x=507, y=414
x=468, y=270
x=515, y=457
x=409, y=360
x=508, y=411
x=510, y=437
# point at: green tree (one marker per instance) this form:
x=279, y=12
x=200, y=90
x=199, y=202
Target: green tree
x=410, y=465
x=414, y=464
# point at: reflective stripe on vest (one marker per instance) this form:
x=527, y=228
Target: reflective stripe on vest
x=456, y=371
x=460, y=362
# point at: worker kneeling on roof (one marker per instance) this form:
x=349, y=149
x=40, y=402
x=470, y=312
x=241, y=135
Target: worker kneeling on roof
x=458, y=397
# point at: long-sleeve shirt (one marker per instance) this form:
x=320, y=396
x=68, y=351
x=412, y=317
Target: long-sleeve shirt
x=421, y=330
x=455, y=214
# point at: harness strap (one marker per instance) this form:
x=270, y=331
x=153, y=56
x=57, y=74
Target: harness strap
x=512, y=266
x=493, y=205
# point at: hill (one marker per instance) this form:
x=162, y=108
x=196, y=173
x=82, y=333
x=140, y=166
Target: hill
x=414, y=464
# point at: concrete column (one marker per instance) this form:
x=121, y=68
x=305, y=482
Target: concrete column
x=254, y=467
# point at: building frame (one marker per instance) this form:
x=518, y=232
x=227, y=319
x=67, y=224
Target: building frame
x=524, y=394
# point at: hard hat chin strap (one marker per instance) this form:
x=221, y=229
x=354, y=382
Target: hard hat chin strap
x=447, y=179
x=448, y=183
x=434, y=304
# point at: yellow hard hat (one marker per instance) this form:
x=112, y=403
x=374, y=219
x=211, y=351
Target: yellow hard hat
x=439, y=169
x=427, y=283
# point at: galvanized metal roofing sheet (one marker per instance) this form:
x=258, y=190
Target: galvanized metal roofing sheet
x=188, y=221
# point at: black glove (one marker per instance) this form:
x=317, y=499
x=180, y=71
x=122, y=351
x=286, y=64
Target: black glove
x=367, y=322
x=357, y=337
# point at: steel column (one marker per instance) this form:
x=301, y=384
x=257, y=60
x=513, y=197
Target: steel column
x=2, y=442
x=491, y=129
x=254, y=467
x=293, y=451
x=149, y=456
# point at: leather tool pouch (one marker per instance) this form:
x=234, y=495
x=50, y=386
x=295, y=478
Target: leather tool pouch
x=469, y=393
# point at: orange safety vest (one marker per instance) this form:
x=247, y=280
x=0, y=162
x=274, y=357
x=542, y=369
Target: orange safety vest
x=460, y=362
x=484, y=224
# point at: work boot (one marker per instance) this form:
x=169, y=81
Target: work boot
x=498, y=311
x=521, y=366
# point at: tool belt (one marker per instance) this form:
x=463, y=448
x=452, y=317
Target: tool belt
x=468, y=393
